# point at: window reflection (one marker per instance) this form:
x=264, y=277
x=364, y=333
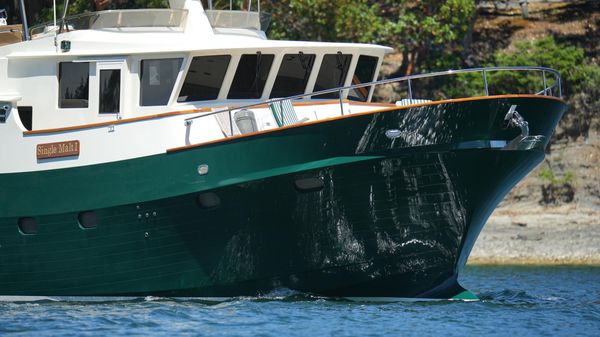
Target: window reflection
x=110, y=91
x=73, y=84
x=251, y=76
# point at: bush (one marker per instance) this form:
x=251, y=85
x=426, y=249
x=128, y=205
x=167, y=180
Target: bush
x=581, y=81
x=556, y=190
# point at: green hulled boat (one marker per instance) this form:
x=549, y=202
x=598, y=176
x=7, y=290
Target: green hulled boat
x=132, y=171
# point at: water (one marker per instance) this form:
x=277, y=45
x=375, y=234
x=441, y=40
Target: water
x=516, y=301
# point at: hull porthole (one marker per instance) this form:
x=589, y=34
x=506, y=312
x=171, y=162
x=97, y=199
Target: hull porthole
x=208, y=200
x=306, y=185
x=27, y=225
x=88, y=219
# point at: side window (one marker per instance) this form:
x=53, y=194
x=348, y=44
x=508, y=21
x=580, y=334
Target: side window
x=333, y=72
x=251, y=76
x=364, y=73
x=157, y=78
x=110, y=91
x=73, y=85
x=293, y=75
x=204, y=78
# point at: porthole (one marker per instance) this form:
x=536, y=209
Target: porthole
x=208, y=200
x=306, y=185
x=27, y=225
x=88, y=219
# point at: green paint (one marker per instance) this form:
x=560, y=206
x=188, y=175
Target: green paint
x=465, y=296
x=392, y=219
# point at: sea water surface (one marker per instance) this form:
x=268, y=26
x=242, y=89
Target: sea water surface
x=515, y=301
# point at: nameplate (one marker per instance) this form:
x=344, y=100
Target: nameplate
x=57, y=150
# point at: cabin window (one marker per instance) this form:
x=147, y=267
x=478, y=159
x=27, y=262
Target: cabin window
x=74, y=85
x=204, y=78
x=293, y=75
x=364, y=73
x=157, y=79
x=110, y=91
x=251, y=76
x=332, y=74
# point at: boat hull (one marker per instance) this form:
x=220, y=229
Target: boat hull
x=336, y=208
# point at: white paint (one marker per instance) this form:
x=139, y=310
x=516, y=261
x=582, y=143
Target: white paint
x=29, y=78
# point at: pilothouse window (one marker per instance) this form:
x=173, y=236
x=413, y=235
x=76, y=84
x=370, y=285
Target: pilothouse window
x=364, y=73
x=73, y=85
x=251, y=76
x=110, y=91
x=204, y=78
x=157, y=79
x=293, y=75
x=332, y=74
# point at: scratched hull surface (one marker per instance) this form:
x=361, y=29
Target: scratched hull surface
x=336, y=209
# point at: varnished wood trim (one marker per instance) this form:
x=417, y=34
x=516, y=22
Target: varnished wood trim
x=328, y=102
x=185, y=112
x=115, y=122
x=391, y=108
x=155, y=116
x=387, y=105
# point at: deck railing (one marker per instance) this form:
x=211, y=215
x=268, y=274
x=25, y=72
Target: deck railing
x=127, y=18
x=554, y=89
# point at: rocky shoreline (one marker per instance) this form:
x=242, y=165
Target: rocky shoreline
x=529, y=234
x=528, y=229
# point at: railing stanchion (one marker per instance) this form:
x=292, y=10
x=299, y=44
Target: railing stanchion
x=486, y=91
x=545, y=85
x=230, y=123
x=559, y=87
x=341, y=102
x=548, y=90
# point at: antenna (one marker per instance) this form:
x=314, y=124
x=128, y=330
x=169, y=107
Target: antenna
x=54, y=28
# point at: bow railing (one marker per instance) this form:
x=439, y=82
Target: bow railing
x=549, y=83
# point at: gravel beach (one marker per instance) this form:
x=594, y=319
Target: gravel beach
x=530, y=234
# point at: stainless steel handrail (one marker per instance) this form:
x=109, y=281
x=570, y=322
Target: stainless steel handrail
x=485, y=71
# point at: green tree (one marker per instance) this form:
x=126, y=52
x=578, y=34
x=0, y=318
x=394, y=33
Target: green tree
x=81, y=6
x=580, y=79
x=320, y=20
x=428, y=33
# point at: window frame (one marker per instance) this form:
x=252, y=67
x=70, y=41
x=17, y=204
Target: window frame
x=344, y=82
x=109, y=65
x=265, y=85
x=310, y=78
x=91, y=70
x=177, y=83
x=225, y=81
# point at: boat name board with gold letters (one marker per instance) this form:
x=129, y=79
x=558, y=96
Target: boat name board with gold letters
x=57, y=150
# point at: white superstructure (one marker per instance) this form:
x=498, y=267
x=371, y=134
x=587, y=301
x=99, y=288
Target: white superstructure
x=122, y=82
